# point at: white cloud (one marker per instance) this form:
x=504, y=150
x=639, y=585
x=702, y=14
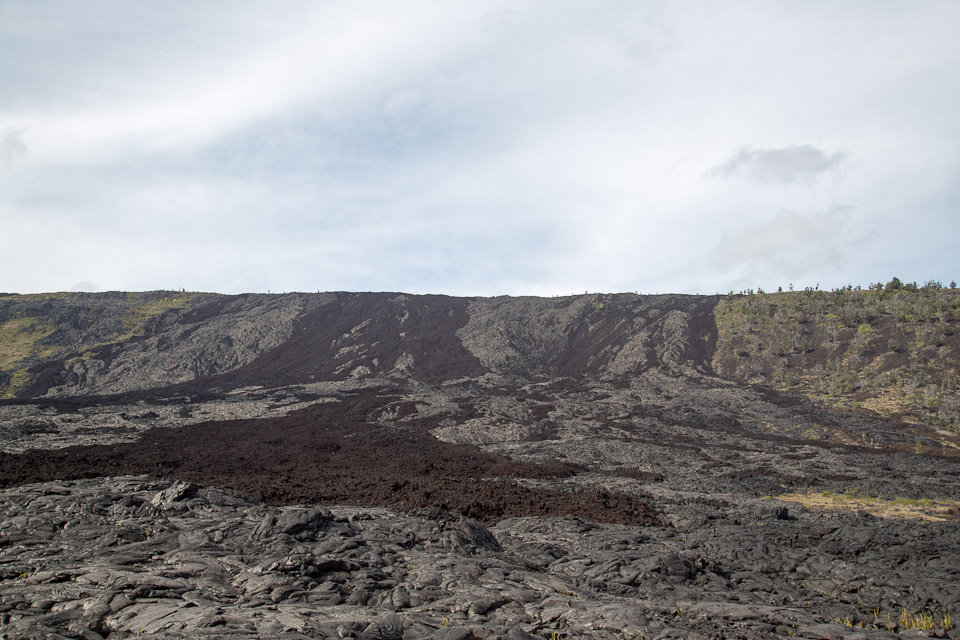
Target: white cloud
x=12, y=146
x=799, y=163
x=85, y=286
x=470, y=147
x=793, y=245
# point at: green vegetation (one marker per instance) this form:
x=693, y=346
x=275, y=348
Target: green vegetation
x=893, y=349
x=138, y=321
x=923, y=620
x=25, y=338
x=36, y=297
x=20, y=340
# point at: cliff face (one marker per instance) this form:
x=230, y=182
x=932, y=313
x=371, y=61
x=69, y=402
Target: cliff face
x=100, y=344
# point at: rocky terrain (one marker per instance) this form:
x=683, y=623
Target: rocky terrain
x=387, y=465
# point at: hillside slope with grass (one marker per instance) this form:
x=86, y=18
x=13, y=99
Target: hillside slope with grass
x=893, y=350
x=102, y=343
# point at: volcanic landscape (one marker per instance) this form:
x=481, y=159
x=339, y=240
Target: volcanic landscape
x=385, y=466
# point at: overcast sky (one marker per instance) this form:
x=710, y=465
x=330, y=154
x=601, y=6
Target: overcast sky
x=477, y=147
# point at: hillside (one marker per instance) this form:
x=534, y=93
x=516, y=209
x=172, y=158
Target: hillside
x=892, y=351
x=95, y=344
x=609, y=466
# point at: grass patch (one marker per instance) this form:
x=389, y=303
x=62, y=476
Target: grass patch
x=19, y=340
x=33, y=297
x=922, y=620
x=137, y=323
x=924, y=509
x=133, y=315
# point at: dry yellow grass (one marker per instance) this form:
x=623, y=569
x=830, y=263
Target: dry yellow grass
x=924, y=509
x=886, y=404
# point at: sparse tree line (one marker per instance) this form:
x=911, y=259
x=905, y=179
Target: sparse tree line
x=893, y=285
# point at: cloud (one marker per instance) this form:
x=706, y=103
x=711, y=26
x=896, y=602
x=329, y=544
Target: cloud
x=84, y=287
x=12, y=146
x=801, y=163
x=478, y=147
x=791, y=243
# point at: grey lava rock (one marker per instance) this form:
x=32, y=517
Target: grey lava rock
x=233, y=568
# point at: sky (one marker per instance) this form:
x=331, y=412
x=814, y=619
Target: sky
x=477, y=147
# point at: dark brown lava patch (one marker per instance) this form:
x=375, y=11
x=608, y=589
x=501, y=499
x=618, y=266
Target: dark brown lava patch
x=330, y=454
